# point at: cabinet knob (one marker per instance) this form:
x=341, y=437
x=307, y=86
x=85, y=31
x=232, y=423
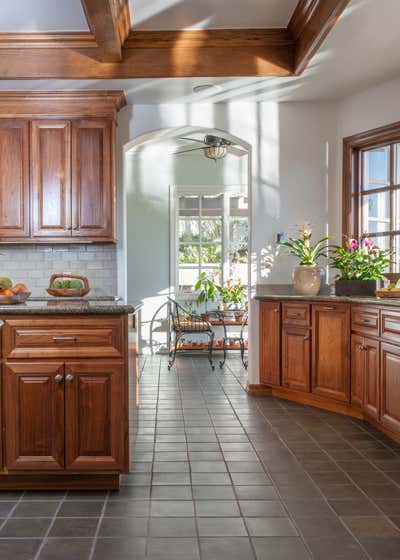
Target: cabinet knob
x=58, y=378
x=69, y=378
x=306, y=338
x=75, y=227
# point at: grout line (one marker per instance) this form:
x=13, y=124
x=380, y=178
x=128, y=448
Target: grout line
x=96, y=534
x=44, y=538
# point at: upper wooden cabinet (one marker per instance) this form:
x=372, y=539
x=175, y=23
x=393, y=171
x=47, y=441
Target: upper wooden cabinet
x=331, y=351
x=57, y=172
x=14, y=179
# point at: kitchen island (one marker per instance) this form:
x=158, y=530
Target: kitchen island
x=64, y=394
x=337, y=353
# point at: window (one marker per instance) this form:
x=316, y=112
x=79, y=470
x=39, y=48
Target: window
x=372, y=188
x=212, y=237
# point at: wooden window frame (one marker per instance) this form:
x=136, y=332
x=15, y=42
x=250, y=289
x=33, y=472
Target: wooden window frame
x=352, y=149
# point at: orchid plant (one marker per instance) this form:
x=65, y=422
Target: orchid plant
x=302, y=248
x=361, y=261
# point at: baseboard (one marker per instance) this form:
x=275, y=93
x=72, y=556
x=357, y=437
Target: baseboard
x=49, y=481
x=258, y=390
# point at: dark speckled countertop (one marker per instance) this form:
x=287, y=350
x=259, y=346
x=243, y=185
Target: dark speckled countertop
x=286, y=292
x=66, y=306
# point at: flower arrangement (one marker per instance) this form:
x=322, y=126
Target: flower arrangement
x=302, y=248
x=361, y=261
x=232, y=293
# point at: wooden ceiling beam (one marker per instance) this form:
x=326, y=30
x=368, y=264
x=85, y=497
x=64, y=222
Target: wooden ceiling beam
x=310, y=24
x=110, y=23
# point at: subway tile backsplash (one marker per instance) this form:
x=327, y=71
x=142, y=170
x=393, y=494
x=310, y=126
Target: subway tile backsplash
x=34, y=264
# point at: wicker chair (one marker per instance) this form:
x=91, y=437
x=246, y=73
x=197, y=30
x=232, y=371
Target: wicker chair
x=183, y=322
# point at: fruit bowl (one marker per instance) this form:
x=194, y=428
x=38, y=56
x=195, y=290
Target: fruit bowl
x=59, y=288
x=14, y=299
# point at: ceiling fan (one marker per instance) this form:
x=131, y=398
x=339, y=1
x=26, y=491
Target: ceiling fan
x=215, y=147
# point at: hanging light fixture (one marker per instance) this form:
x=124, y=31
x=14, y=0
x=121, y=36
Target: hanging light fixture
x=215, y=152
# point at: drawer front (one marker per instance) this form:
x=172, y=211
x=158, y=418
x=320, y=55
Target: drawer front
x=296, y=314
x=365, y=320
x=63, y=338
x=390, y=325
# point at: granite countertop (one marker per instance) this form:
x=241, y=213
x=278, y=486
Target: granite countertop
x=287, y=293
x=58, y=306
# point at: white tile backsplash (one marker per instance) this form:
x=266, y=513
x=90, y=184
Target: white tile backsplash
x=34, y=264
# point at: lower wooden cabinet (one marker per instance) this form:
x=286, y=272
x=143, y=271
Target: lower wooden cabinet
x=390, y=387
x=296, y=372
x=65, y=416
x=270, y=343
x=371, y=377
x=331, y=351
x=357, y=370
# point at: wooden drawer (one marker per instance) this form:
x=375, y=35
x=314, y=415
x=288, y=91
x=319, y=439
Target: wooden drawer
x=390, y=325
x=297, y=314
x=365, y=320
x=94, y=337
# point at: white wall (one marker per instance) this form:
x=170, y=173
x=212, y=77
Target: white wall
x=293, y=175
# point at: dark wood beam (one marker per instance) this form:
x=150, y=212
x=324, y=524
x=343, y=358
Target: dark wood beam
x=310, y=24
x=151, y=54
x=110, y=23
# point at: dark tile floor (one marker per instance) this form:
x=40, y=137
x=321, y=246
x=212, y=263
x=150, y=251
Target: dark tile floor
x=217, y=475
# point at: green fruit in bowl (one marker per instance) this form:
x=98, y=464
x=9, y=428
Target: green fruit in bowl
x=77, y=284
x=5, y=283
x=66, y=284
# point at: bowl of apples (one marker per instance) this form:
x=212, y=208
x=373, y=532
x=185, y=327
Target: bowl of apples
x=12, y=294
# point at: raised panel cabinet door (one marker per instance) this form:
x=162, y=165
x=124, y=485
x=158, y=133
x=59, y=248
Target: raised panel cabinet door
x=33, y=399
x=331, y=351
x=371, y=377
x=390, y=387
x=93, y=190
x=96, y=427
x=51, y=178
x=296, y=371
x=270, y=343
x=357, y=370
x=14, y=179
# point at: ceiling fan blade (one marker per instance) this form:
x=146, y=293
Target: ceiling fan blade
x=236, y=151
x=191, y=139
x=187, y=151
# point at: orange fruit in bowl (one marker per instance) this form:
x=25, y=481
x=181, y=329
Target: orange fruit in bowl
x=6, y=292
x=19, y=288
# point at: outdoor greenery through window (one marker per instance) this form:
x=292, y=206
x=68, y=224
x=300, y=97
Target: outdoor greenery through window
x=379, y=198
x=212, y=233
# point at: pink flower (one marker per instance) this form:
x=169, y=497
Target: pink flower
x=306, y=230
x=368, y=243
x=352, y=244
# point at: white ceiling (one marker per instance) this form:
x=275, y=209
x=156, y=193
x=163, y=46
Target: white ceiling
x=210, y=14
x=361, y=51
x=42, y=15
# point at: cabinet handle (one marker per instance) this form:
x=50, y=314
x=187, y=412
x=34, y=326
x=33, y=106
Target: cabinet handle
x=75, y=227
x=327, y=308
x=64, y=339
x=306, y=338
x=276, y=310
x=69, y=378
x=58, y=378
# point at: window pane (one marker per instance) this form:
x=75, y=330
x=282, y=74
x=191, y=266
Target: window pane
x=396, y=257
x=383, y=243
x=211, y=230
x=188, y=205
x=211, y=205
x=188, y=278
x=211, y=254
x=213, y=273
x=375, y=211
x=188, y=254
x=188, y=230
x=238, y=206
x=376, y=168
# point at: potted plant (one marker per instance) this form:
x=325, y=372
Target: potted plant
x=207, y=292
x=361, y=266
x=233, y=295
x=307, y=275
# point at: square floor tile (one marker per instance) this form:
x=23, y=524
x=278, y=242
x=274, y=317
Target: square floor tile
x=120, y=549
x=214, y=508
x=66, y=549
x=19, y=549
x=280, y=548
x=172, y=527
x=25, y=528
x=270, y=527
x=74, y=527
x=173, y=548
x=168, y=508
x=221, y=527
x=262, y=508
x=364, y=527
x=226, y=548
x=123, y=527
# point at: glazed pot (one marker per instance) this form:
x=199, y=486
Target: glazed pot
x=307, y=280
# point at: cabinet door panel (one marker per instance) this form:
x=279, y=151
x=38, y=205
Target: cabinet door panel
x=270, y=343
x=390, y=387
x=357, y=370
x=34, y=416
x=371, y=378
x=51, y=178
x=296, y=359
x=96, y=427
x=14, y=179
x=331, y=351
x=92, y=185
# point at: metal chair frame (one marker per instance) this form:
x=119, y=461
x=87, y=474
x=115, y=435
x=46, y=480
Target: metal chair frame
x=239, y=338
x=192, y=324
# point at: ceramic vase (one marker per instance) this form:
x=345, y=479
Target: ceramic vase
x=307, y=280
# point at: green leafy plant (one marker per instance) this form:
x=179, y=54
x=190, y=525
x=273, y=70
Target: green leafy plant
x=361, y=261
x=206, y=288
x=301, y=247
x=232, y=293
